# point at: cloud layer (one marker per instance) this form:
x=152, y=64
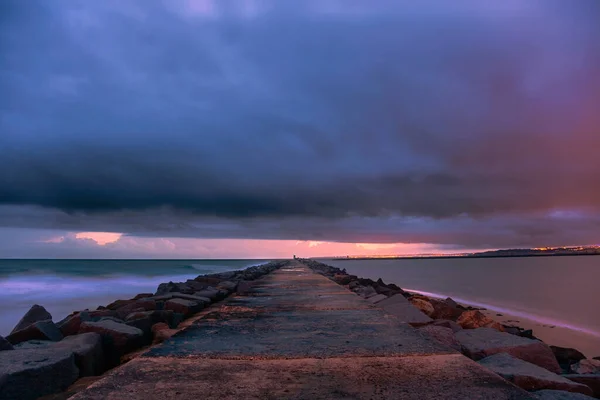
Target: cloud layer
x=469, y=124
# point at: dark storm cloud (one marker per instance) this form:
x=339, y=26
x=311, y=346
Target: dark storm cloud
x=337, y=117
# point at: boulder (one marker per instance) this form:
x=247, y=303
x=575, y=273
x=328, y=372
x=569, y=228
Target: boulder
x=88, y=351
x=159, y=327
x=474, y=319
x=529, y=376
x=377, y=298
x=548, y=394
x=118, y=338
x=445, y=309
x=451, y=302
x=586, y=367
x=566, y=356
x=441, y=334
x=243, y=287
x=399, y=306
x=41, y=330
x=118, y=304
x=210, y=293
x=185, y=307
x=423, y=305
x=163, y=334
x=343, y=279
x=127, y=309
x=35, y=314
x=5, y=344
x=590, y=380
x=70, y=325
x=228, y=286
x=353, y=285
x=142, y=296
x=483, y=342
x=365, y=291
x=447, y=324
x=27, y=374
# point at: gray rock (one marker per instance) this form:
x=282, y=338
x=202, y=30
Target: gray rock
x=560, y=395
x=441, y=334
x=88, y=351
x=483, y=342
x=211, y=293
x=529, y=376
x=117, y=337
x=566, y=356
x=146, y=304
x=5, y=344
x=446, y=323
x=228, y=286
x=35, y=314
x=586, y=367
x=365, y=291
x=27, y=374
x=377, y=298
x=41, y=330
x=244, y=287
x=398, y=306
x=474, y=319
x=590, y=380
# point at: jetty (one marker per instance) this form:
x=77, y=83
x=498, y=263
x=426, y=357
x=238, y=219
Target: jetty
x=296, y=334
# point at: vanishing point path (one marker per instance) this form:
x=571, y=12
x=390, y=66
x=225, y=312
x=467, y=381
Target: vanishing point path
x=298, y=335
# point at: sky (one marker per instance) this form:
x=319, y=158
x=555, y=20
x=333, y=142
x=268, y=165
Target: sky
x=214, y=129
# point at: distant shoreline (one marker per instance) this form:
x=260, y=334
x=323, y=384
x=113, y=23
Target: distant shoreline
x=453, y=257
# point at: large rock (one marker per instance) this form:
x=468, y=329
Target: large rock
x=423, y=305
x=445, y=309
x=441, y=334
x=590, y=380
x=586, y=367
x=447, y=324
x=483, y=342
x=144, y=304
x=87, y=348
x=377, y=298
x=529, y=376
x=5, y=344
x=70, y=325
x=88, y=351
x=41, y=330
x=548, y=394
x=35, y=314
x=566, y=356
x=185, y=307
x=399, y=306
x=474, y=319
x=117, y=337
x=27, y=374
x=211, y=293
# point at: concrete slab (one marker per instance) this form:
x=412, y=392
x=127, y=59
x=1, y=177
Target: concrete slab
x=435, y=377
x=401, y=308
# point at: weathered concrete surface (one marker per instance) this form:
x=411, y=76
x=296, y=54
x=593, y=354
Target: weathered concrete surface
x=297, y=335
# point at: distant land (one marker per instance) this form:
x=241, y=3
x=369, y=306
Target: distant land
x=535, y=252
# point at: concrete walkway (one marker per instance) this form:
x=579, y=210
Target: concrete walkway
x=298, y=335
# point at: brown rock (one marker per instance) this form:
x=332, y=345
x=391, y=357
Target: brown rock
x=444, y=310
x=182, y=306
x=35, y=314
x=118, y=304
x=143, y=296
x=145, y=305
x=159, y=327
x=343, y=279
x=41, y=330
x=476, y=319
x=163, y=334
x=119, y=337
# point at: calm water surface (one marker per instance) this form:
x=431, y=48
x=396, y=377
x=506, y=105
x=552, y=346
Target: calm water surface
x=562, y=291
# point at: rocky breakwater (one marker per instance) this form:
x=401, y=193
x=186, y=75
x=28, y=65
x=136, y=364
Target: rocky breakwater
x=41, y=357
x=511, y=352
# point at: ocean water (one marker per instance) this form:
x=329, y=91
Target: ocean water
x=561, y=292
x=63, y=286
